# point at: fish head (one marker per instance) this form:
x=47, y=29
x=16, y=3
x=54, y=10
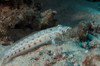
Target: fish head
x=64, y=29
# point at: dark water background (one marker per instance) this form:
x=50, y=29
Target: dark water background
x=71, y=12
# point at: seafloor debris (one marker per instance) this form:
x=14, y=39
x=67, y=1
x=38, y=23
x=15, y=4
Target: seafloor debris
x=36, y=58
x=57, y=55
x=92, y=60
x=86, y=33
x=48, y=19
x=22, y=21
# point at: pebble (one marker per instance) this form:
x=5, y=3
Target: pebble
x=86, y=51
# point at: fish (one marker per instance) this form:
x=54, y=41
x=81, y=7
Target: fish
x=34, y=40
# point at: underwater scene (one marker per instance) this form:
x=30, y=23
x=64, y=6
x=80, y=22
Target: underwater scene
x=49, y=32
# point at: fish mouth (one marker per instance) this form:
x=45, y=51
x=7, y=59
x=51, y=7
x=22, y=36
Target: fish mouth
x=69, y=29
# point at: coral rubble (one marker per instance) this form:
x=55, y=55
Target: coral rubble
x=92, y=60
x=22, y=21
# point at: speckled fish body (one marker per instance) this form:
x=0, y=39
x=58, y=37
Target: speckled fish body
x=36, y=35
x=28, y=43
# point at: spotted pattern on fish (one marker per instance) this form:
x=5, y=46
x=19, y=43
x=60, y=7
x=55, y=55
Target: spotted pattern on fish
x=33, y=41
